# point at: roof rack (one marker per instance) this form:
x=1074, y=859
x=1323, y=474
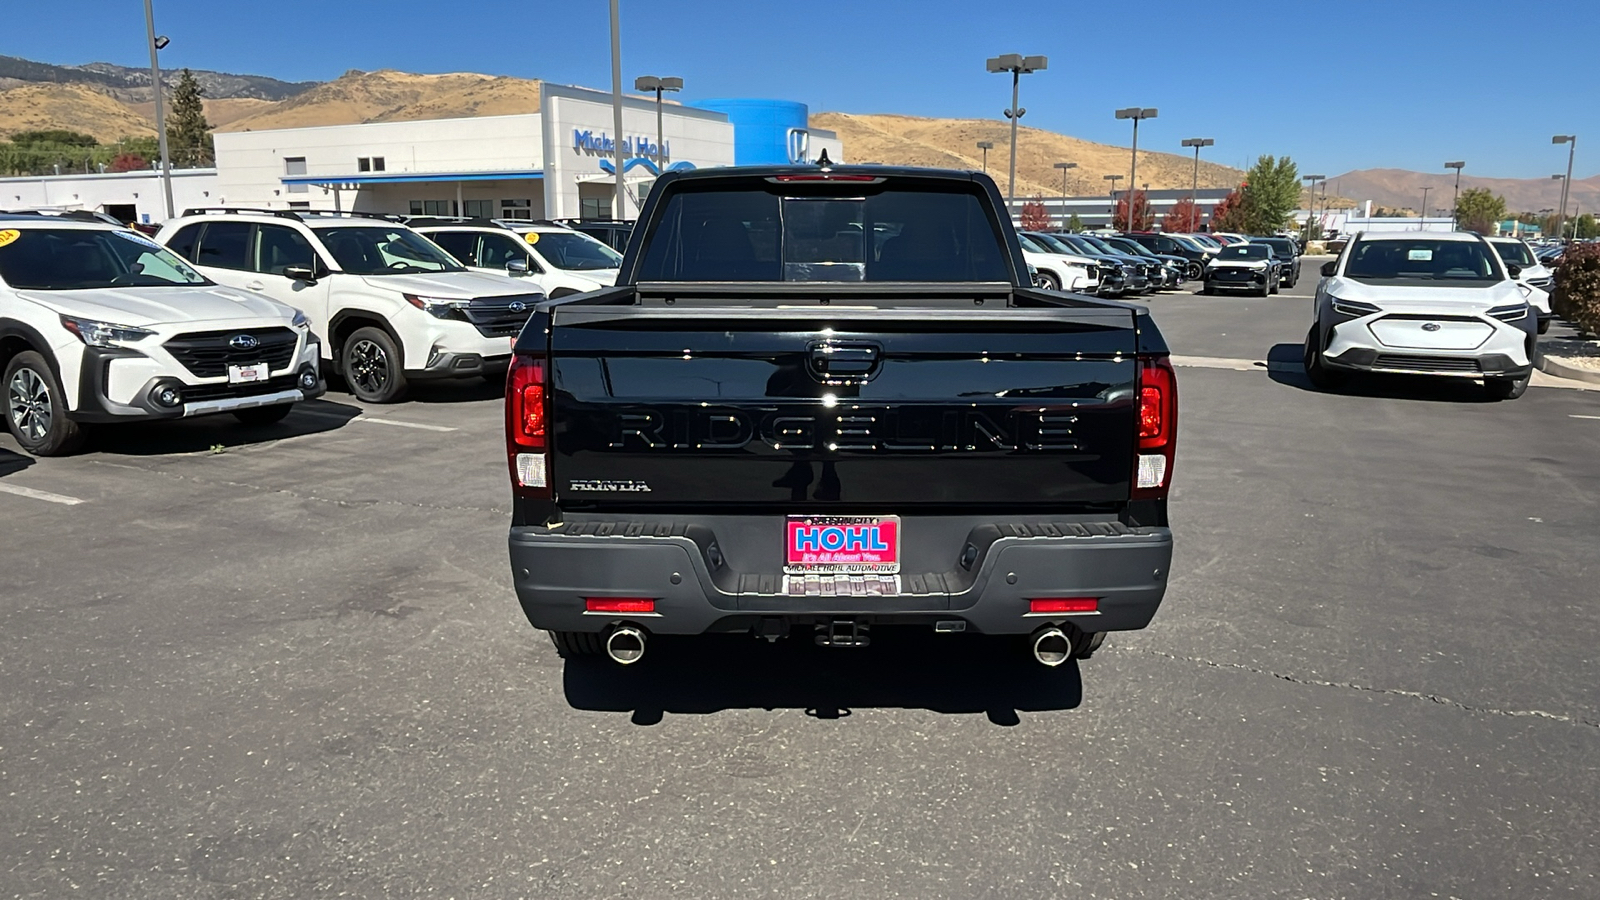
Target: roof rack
x=76, y=215
x=433, y=221
x=349, y=214
x=229, y=210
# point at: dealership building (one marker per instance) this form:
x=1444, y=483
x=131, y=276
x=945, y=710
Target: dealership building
x=557, y=163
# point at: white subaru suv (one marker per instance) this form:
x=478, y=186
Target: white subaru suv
x=394, y=307
x=1423, y=303
x=559, y=260
x=1516, y=252
x=100, y=324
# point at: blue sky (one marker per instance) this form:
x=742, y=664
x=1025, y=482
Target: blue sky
x=1337, y=86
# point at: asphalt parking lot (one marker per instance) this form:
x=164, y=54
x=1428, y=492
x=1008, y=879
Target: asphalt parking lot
x=287, y=662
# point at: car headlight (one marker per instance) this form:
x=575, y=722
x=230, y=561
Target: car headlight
x=103, y=334
x=1354, y=308
x=300, y=321
x=1511, y=312
x=434, y=306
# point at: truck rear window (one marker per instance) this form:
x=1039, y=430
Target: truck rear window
x=849, y=233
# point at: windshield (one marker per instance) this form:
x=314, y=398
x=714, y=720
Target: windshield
x=369, y=250
x=1280, y=246
x=1132, y=248
x=1515, y=253
x=1055, y=244
x=1245, y=251
x=1205, y=241
x=1185, y=241
x=71, y=259
x=573, y=251
x=1420, y=259
x=1032, y=245
x=849, y=232
x=1082, y=246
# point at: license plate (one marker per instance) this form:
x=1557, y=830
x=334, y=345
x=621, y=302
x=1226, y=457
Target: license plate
x=247, y=374
x=854, y=545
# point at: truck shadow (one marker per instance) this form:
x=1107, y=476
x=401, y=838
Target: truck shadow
x=902, y=669
x=207, y=432
x=1286, y=366
x=12, y=463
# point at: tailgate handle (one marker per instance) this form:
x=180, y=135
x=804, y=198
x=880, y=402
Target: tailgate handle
x=836, y=360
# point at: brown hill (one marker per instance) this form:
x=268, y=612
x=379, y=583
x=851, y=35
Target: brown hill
x=76, y=107
x=218, y=112
x=1402, y=189
x=952, y=143
x=389, y=96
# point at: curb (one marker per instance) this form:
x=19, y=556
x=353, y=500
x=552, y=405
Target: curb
x=1562, y=370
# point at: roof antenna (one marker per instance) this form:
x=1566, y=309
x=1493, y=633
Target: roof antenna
x=823, y=160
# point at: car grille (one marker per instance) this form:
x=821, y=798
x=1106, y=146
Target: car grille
x=194, y=393
x=1540, y=283
x=1240, y=275
x=1425, y=363
x=1107, y=273
x=208, y=354
x=497, y=316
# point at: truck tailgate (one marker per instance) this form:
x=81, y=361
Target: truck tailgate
x=871, y=410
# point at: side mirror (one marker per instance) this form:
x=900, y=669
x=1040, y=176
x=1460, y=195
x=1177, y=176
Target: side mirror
x=1514, y=270
x=301, y=273
x=516, y=267
x=1330, y=267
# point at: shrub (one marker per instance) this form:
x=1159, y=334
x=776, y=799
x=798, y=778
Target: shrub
x=1576, y=296
x=1034, y=216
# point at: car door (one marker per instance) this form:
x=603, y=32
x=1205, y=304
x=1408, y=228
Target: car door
x=497, y=249
x=222, y=252
x=274, y=250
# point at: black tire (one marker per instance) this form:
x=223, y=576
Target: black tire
x=36, y=409
x=1049, y=282
x=1322, y=377
x=1507, y=388
x=1208, y=290
x=263, y=415
x=1087, y=643
x=1196, y=272
x=1544, y=325
x=371, y=365
x=1273, y=288
x=571, y=644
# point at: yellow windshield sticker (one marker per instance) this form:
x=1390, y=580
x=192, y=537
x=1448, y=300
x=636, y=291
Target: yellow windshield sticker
x=533, y=237
x=9, y=235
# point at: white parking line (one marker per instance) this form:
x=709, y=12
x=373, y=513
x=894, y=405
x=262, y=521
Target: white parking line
x=1575, y=416
x=32, y=494
x=374, y=420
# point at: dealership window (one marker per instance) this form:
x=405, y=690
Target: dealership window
x=595, y=208
x=433, y=207
x=299, y=204
x=294, y=165
x=370, y=164
x=516, y=209
x=477, y=209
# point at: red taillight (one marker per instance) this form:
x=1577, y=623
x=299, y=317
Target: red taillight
x=826, y=176
x=1064, y=605
x=1158, y=427
x=619, y=604
x=526, y=418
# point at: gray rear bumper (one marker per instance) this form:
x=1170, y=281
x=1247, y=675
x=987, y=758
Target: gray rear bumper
x=689, y=570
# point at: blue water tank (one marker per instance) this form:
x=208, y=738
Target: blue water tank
x=761, y=128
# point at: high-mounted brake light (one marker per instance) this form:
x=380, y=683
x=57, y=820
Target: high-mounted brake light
x=1158, y=427
x=826, y=176
x=526, y=430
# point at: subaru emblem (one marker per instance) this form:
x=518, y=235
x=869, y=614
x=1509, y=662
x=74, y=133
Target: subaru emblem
x=1431, y=326
x=517, y=306
x=799, y=146
x=244, y=342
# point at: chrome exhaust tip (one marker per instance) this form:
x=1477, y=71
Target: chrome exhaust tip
x=1051, y=647
x=625, y=645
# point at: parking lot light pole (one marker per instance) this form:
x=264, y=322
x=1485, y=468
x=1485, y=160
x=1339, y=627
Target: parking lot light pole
x=1114, y=179
x=652, y=83
x=1134, y=113
x=1018, y=65
x=1064, y=166
x=156, y=43
x=1455, y=220
x=1311, y=188
x=1194, y=186
x=1422, y=220
x=620, y=212
x=1561, y=214
x=1571, y=140
x=986, y=146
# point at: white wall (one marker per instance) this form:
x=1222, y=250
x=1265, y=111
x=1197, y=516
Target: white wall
x=697, y=136
x=190, y=187
x=252, y=165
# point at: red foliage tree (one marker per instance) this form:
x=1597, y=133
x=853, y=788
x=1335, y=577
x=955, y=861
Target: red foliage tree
x=1229, y=214
x=1034, y=216
x=1184, y=217
x=128, y=162
x=1143, y=217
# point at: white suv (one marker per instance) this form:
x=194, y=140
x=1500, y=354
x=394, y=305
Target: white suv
x=559, y=260
x=1533, y=273
x=1423, y=303
x=99, y=324
x=394, y=307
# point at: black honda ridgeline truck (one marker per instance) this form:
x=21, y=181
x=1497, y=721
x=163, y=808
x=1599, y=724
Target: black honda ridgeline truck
x=828, y=398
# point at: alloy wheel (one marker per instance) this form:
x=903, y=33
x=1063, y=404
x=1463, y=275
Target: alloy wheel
x=29, y=404
x=369, y=366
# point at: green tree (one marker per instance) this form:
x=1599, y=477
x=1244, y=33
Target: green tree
x=1586, y=227
x=188, y=132
x=1074, y=224
x=1270, y=193
x=54, y=136
x=1479, y=210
